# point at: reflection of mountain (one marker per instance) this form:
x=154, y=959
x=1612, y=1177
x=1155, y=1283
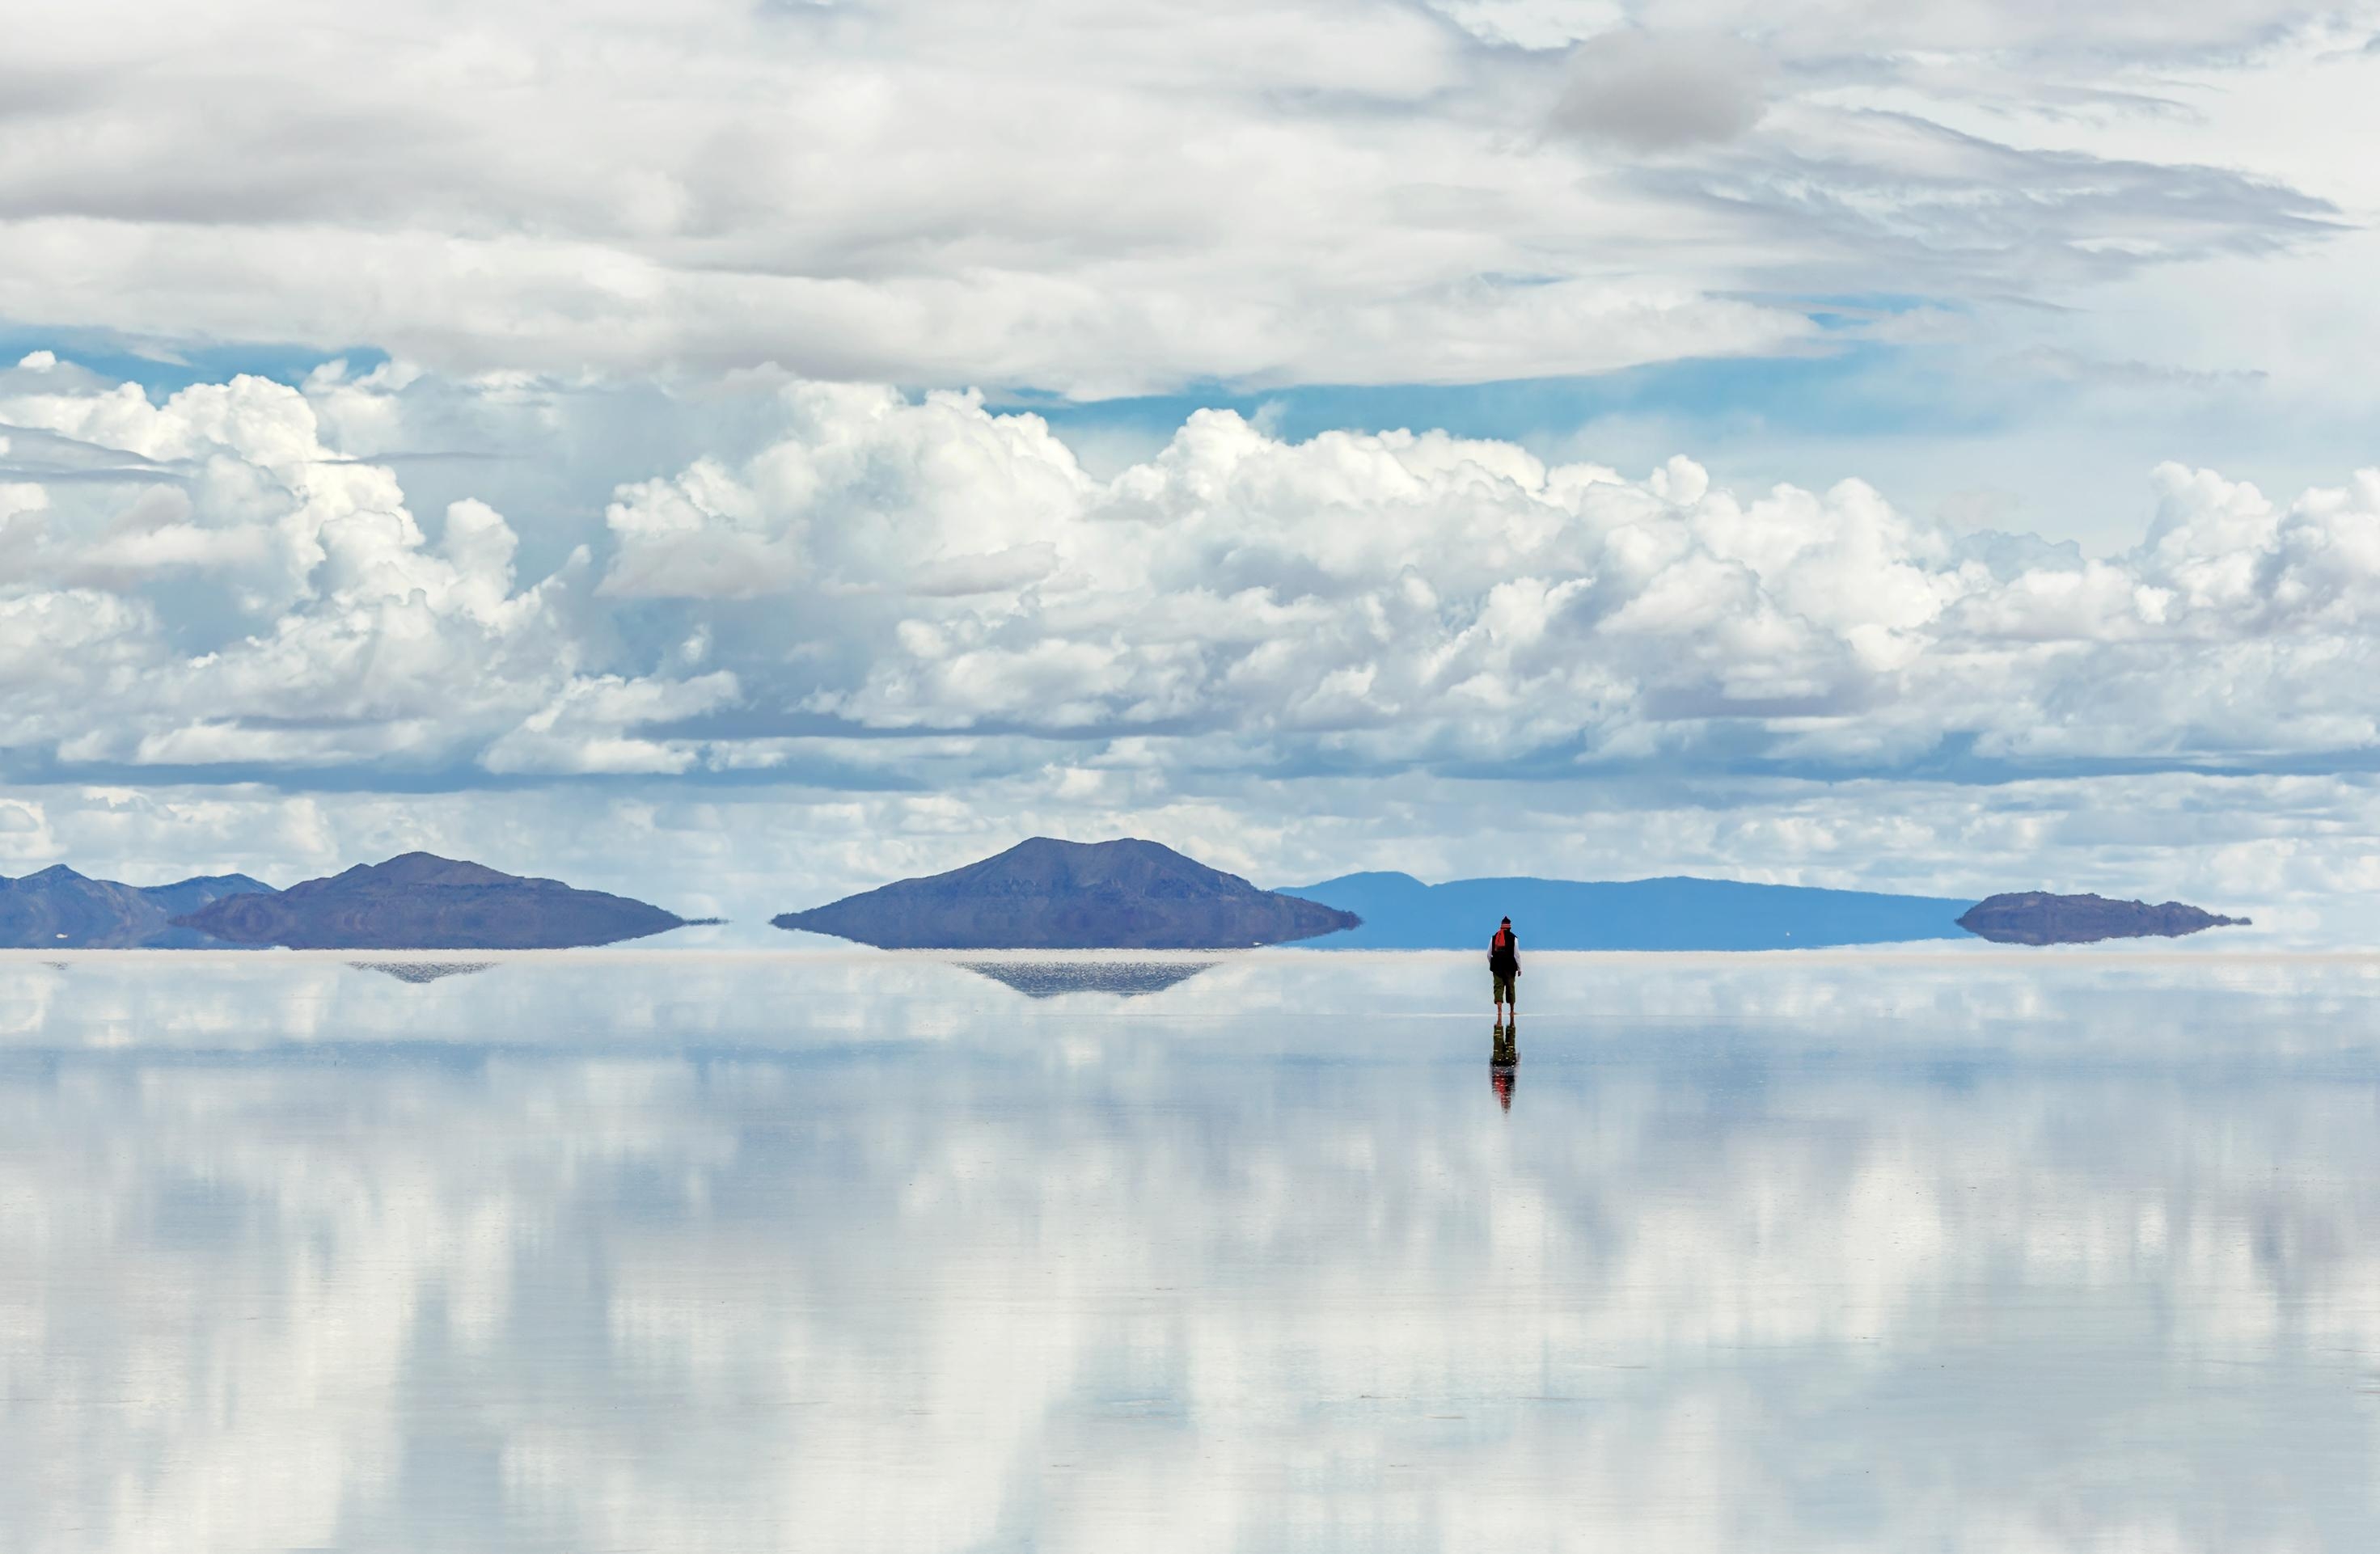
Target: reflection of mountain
x=1124, y=978
x=421, y=971
x=421, y=902
x=1044, y=895
x=59, y=909
x=1401, y=913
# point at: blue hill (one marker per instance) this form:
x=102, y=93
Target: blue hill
x=1401, y=913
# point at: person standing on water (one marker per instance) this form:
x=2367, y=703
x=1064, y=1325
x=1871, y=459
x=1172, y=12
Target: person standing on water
x=1504, y=966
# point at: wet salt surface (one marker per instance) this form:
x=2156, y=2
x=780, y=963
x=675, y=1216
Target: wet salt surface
x=1980, y=1251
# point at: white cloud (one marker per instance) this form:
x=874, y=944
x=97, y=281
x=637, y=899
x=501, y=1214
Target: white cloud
x=255, y=599
x=696, y=535
x=580, y=732
x=1399, y=597
x=1321, y=190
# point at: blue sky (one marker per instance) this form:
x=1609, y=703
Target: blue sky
x=738, y=453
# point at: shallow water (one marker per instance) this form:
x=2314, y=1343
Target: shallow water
x=1979, y=1251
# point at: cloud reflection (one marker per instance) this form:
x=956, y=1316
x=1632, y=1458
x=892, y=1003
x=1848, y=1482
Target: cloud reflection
x=828, y=1253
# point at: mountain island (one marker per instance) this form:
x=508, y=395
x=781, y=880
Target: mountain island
x=1045, y=894
x=2039, y=917
x=419, y=901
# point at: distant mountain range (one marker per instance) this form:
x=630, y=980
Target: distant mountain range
x=1045, y=894
x=58, y=909
x=1401, y=913
x=420, y=901
x=1136, y=894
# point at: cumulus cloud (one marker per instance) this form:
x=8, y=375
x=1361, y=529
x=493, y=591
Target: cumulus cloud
x=581, y=731
x=888, y=562
x=259, y=599
x=1403, y=597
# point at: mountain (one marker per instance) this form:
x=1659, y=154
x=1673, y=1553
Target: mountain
x=59, y=909
x=1401, y=913
x=422, y=901
x=1044, y=895
x=2039, y=917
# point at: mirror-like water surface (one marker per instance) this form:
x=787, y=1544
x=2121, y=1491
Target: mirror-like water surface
x=852, y=1251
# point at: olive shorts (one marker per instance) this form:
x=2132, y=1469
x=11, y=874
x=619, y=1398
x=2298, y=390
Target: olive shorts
x=1504, y=989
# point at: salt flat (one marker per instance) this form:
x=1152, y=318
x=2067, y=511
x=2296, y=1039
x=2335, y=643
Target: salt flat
x=742, y=1248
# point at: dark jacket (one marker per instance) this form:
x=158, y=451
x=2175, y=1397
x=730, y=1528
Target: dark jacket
x=1504, y=953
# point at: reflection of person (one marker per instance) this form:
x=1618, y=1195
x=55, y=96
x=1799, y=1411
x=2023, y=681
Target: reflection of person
x=1504, y=966
x=1501, y=1063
